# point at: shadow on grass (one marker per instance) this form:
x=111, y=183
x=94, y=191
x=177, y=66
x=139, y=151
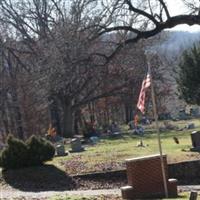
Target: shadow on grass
x=36, y=179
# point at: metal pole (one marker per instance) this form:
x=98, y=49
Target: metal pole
x=158, y=132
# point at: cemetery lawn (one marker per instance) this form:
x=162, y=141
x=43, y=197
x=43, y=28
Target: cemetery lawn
x=102, y=197
x=182, y=196
x=110, y=153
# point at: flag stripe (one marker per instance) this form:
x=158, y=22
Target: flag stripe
x=141, y=100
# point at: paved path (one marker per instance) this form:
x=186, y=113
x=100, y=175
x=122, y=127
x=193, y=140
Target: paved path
x=42, y=195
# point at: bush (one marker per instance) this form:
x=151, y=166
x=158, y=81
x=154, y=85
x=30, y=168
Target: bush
x=35, y=151
x=39, y=150
x=15, y=155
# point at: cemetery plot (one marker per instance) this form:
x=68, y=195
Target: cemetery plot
x=110, y=153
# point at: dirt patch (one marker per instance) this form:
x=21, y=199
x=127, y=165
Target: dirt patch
x=50, y=178
x=77, y=165
x=104, y=180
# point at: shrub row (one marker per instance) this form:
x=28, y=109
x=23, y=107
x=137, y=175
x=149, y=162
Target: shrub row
x=18, y=154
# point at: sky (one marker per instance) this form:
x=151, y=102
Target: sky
x=177, y=7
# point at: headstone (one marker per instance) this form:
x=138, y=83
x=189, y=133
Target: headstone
x=183, y=115
x=127, y=191
x=139, y=130
x=145, y=179
x=195, y=137
x=116, y=135
x=94, y=139
x=193, y=195
x=190, y=126
x=194, y=112
x=60, y=150
x=114, y=127
x=76, y=145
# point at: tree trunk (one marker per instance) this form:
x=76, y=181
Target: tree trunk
x=54, y=114
x=68, y=119
x=128, y=113
x=78, y=124
x=5, y=121
x=11, y=118
x=18, y=116
x=14, y=98
x=91, y=112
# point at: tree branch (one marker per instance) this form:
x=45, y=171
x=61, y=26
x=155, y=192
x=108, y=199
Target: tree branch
x=141, y=12
x=119, y=28
x=170, y=23
x=165, y=8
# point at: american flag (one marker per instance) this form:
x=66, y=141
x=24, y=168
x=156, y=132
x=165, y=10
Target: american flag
x=141, y=101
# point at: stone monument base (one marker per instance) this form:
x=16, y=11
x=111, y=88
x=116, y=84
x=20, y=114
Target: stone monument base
x=145, y=179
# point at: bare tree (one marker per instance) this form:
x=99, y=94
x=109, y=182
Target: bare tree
x=65, y=49
x=55, y=45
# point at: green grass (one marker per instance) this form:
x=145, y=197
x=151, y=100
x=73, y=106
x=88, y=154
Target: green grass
x=182, y=196
x=110, y=154
x=100, y=197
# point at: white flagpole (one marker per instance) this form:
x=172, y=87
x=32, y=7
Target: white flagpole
x=158, y=131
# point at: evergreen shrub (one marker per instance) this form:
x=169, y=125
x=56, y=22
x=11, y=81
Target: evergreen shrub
x=18, y=154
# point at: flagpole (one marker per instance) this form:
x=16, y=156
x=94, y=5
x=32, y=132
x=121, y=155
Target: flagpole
x=158, y=131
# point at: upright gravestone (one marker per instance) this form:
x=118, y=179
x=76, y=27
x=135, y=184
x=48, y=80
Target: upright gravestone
x=60, y=150
x=193, y=195
x=190, y=126
x=76, y=145
x=195, y=137
x=145, y=179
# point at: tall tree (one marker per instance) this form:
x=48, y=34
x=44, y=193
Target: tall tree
x=189, y=73
x=56, y=43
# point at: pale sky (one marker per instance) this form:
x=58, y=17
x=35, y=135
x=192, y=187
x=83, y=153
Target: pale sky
x=177, y=7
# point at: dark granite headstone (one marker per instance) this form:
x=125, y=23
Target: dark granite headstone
x=195, y=137
x=60, y=150
x=193, y=195
x=76, y=145
x=190, y=126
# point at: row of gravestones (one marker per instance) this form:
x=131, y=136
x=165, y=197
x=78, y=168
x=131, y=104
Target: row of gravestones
x=76, y=146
